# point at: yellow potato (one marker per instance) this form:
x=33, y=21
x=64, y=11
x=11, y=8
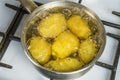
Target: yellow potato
x=52, y=25
x=40, y=49
x=87, y=51
x=64, y=65
x=65, y=44
x=79, y=27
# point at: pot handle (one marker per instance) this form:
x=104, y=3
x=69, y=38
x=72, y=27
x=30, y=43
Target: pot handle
x=29, y=5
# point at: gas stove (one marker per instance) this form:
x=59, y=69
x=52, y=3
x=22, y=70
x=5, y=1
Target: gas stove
x=14, y=65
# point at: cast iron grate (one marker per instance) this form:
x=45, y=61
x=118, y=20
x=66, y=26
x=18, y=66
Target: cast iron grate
x=8, y=36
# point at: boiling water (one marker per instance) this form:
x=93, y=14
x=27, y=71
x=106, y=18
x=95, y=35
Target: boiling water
x=32, y=31
x=68, y=12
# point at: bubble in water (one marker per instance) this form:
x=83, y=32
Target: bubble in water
x=67, y=12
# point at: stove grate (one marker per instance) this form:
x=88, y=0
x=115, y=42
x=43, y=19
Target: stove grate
x=8, y=36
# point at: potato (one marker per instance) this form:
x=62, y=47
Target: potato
x=40, y=49
x=87, y=50
x=65, y=44
x=64, y=65
x=52, y=25
x=79, y=27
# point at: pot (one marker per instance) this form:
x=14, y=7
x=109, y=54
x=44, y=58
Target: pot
x=87, y=14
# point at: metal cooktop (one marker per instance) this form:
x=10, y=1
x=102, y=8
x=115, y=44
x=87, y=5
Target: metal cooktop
x=13, y=57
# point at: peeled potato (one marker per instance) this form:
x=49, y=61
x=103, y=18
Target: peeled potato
x=64, y=65
x=65, y=44
x=87, y=50
x=79, y=27
x=52, y=25
x=40, y=49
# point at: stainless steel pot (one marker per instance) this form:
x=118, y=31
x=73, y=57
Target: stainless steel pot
x=35, y=11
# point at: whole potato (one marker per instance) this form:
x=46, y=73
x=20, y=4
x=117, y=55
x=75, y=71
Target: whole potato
x=40, y=49
x=87, y=50
x=52, y=25
x=79, y=27
x=64, y=65
x=65, y=44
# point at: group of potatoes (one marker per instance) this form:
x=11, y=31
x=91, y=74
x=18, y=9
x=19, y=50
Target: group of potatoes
x=71, y=49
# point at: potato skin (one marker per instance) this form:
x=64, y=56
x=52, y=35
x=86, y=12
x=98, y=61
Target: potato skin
x=87, y=51
x=52, y=25
x=64, y=65
x=40, y=49
x=79, y=27
x=65, y=44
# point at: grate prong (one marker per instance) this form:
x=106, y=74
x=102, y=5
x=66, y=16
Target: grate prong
x=111, y=24
x=5, y=65
x=116, y=13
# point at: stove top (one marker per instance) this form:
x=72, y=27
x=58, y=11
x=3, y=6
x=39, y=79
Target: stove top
x=18, y=67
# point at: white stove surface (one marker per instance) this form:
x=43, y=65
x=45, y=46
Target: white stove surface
x=22, y=67
x=0, y=39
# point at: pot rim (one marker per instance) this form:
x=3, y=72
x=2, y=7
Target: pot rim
x=92, y=14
